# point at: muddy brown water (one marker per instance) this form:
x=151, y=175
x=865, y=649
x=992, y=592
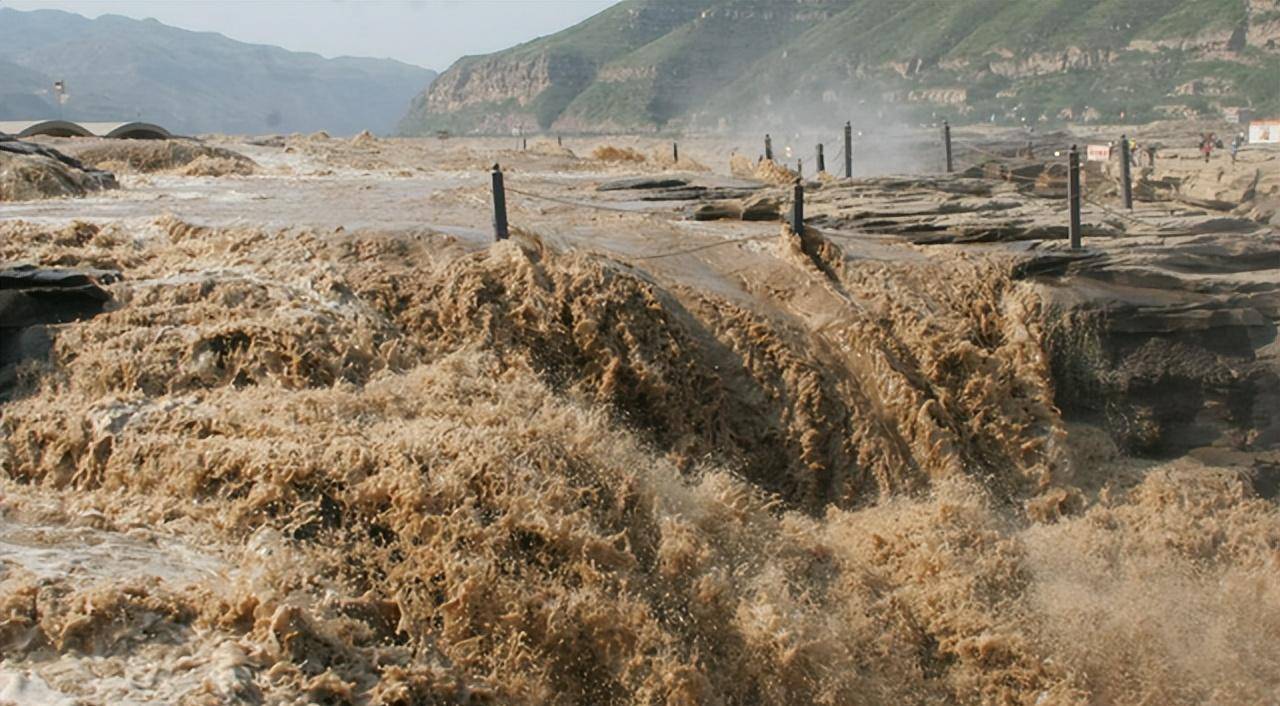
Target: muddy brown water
x=330, y=446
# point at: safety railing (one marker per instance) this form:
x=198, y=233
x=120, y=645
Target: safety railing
x=956, y=156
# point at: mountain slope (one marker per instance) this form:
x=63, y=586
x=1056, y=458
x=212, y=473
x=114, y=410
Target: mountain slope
x=742, y=62
x=117, y=68
x=531, y=84
x=1057, y=59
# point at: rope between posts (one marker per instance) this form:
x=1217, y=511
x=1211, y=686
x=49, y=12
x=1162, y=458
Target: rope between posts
x=1120, y=215
x=1010, y=176
x=700, y=248
x=1086, y=197
x=1026, y=161
x=657, y=256
x=1036, y=180
x=1032, y=180
x=579, y=204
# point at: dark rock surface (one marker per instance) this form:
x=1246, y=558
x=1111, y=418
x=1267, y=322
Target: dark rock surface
x=696, y=192
x=34, y=299
x=30, y=296
x=103, y=179
x=29, y=171
x=643, y=183
x=1171, y=343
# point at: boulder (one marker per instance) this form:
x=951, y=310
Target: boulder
x=31, y=171
x=33, y=299
x=763, y=207
x=717, y=211
x=30, y=295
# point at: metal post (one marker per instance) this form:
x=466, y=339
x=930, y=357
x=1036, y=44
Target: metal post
x=524, y=144
x=797, y=210
x=800, y=166
x=499, y=206
x=848, y=150
x=675, y=151
x=1125, y=176
x=946, y=139
x=822, y=160
x=768, y=148
x=1073, y=195
x=559, y=141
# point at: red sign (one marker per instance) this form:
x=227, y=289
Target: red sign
x=1099, y=153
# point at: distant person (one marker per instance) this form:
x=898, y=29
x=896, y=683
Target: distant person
x=1151, y=154
x=1206, y=145
x=1236, y=143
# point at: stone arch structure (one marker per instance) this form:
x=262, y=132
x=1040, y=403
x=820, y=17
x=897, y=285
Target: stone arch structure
x=129, y=131
x=65, y=128
x=52, y=128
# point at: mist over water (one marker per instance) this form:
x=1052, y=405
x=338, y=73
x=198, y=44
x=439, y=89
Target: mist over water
x=886, y=139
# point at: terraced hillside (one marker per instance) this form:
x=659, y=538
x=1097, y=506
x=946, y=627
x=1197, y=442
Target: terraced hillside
x=657, y=64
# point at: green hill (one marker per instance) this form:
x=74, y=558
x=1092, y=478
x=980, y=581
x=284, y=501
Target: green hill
x=658, y=64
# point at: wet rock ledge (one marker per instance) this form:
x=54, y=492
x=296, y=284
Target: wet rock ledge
x=29, y=171
x=1169, y=343
x=33, y=301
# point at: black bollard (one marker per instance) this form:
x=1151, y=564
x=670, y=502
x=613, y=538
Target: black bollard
x=822, y=160
x=675, y=151
x=499, y=206
x=524, y=144
x=800, y=166
x=559, y=141
x=1126, y=177
x=848, y=150
x=797, y=210
x=946, y=139
x=768, y=148
x=1073, y=195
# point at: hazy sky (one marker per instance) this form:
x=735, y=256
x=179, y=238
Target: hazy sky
x=430, y=33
